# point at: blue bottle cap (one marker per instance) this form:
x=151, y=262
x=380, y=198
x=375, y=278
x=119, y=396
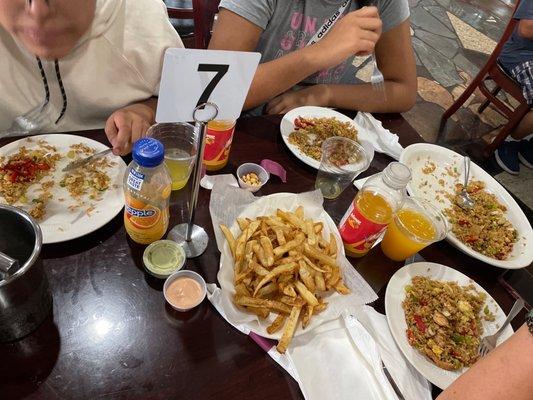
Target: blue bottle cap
x=148, y=152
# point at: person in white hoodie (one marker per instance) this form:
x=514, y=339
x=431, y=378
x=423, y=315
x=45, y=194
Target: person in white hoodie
x=94, y=63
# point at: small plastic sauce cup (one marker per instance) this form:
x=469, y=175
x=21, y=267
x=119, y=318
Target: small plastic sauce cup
x=184, y=290
x=248, y=168
x=163, y=257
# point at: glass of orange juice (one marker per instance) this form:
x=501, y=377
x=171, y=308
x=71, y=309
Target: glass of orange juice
x=415, y=226
x=180, y=150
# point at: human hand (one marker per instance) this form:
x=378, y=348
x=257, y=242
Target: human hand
x=316, y=95
x=355, y=34
x=127, y=125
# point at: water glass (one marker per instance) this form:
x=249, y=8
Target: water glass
x=342, y=160
x=180, y=144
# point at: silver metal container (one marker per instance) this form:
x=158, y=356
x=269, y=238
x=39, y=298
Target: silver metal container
x=25, y=298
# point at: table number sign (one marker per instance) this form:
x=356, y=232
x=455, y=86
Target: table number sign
x=192, y=77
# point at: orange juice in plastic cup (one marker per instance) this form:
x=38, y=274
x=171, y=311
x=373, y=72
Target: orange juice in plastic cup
x=414, y=227
x=218, y=144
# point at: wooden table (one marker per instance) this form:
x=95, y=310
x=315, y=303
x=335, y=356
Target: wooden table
x=112, y=336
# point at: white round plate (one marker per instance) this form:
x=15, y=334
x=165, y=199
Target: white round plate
x=287, y=127
x=61, y=224
x=428, y=187
x=395, y=295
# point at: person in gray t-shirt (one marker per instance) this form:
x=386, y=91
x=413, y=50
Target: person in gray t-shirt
x=295, y=71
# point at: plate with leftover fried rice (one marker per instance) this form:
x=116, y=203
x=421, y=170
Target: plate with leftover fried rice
x=304, y=129
x=67, y=205
x=438, y=317
x=496, y=231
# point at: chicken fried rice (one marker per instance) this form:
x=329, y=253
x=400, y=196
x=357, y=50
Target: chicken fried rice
x=443, y=321
x=483, y=228
x=310, y=133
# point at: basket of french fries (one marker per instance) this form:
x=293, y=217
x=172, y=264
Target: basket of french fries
x=283, y=269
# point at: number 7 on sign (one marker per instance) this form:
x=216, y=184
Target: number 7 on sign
x=221, y=70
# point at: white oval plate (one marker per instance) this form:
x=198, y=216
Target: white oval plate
x=395, y=295
x=61, y=224
x=415, y=157
x=287, y=127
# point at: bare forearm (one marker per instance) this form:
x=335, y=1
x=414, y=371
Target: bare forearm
x=504, y=374
x=400, y=97
x=275, y=77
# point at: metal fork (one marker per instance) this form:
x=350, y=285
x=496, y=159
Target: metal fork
x=376, y=79
x=29, y=123
x=488, y=343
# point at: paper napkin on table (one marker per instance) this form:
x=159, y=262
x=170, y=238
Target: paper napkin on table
x=341, y=359
x=383, y=141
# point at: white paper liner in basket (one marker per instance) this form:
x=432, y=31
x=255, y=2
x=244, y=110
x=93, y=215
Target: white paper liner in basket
x=228, y=203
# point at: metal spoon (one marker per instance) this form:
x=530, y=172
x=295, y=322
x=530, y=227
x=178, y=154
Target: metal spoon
x=464, y=201
x=8, y=265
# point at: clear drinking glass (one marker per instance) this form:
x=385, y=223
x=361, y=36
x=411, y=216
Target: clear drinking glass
x=342, y=160
x=417, y=225
x=180, y=149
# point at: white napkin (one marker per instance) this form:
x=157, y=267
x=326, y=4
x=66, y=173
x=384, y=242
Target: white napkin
x=208, y=181
x=341, y=359
x=371, y=130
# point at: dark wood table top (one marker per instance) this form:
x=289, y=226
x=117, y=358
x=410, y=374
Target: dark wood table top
x=112, y=336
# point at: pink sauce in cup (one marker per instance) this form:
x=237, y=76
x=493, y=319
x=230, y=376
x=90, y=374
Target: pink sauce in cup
x=184, y=293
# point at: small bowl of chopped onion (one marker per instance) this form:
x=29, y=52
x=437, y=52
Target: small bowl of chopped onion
x=252, y=176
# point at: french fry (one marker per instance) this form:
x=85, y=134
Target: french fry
x=275, y=272
x=307, y=314
x=288, y=290
x=298, y=240
x=260, y=253
x=267, y=290
x=280, y=237
x=341, y=288
x=268, y=250
x=306, y=276
x=320, y=283
x=332, y=246
x=261, y=312
x=259, y=269
x=292, y=301
x=270, y=304
x=318, y=309
x=243, y=223
x=229, y=237
x=312, y=264
x=311, y=236
x=333, y=278
x=318, y=227
x=306, y=294
x=277, y=324
x=288, y=331
x=299, y=212
x=292, y=219
x=317, y=255
x=241, y=290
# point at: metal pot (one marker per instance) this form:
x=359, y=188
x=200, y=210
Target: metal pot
x=25, y=298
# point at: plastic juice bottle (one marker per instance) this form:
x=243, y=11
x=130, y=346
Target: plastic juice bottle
x=372, y=210
x=147, y=187
x=218, y=144
x=409, y=232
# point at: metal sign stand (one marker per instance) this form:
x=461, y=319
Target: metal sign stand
x=192, y=237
